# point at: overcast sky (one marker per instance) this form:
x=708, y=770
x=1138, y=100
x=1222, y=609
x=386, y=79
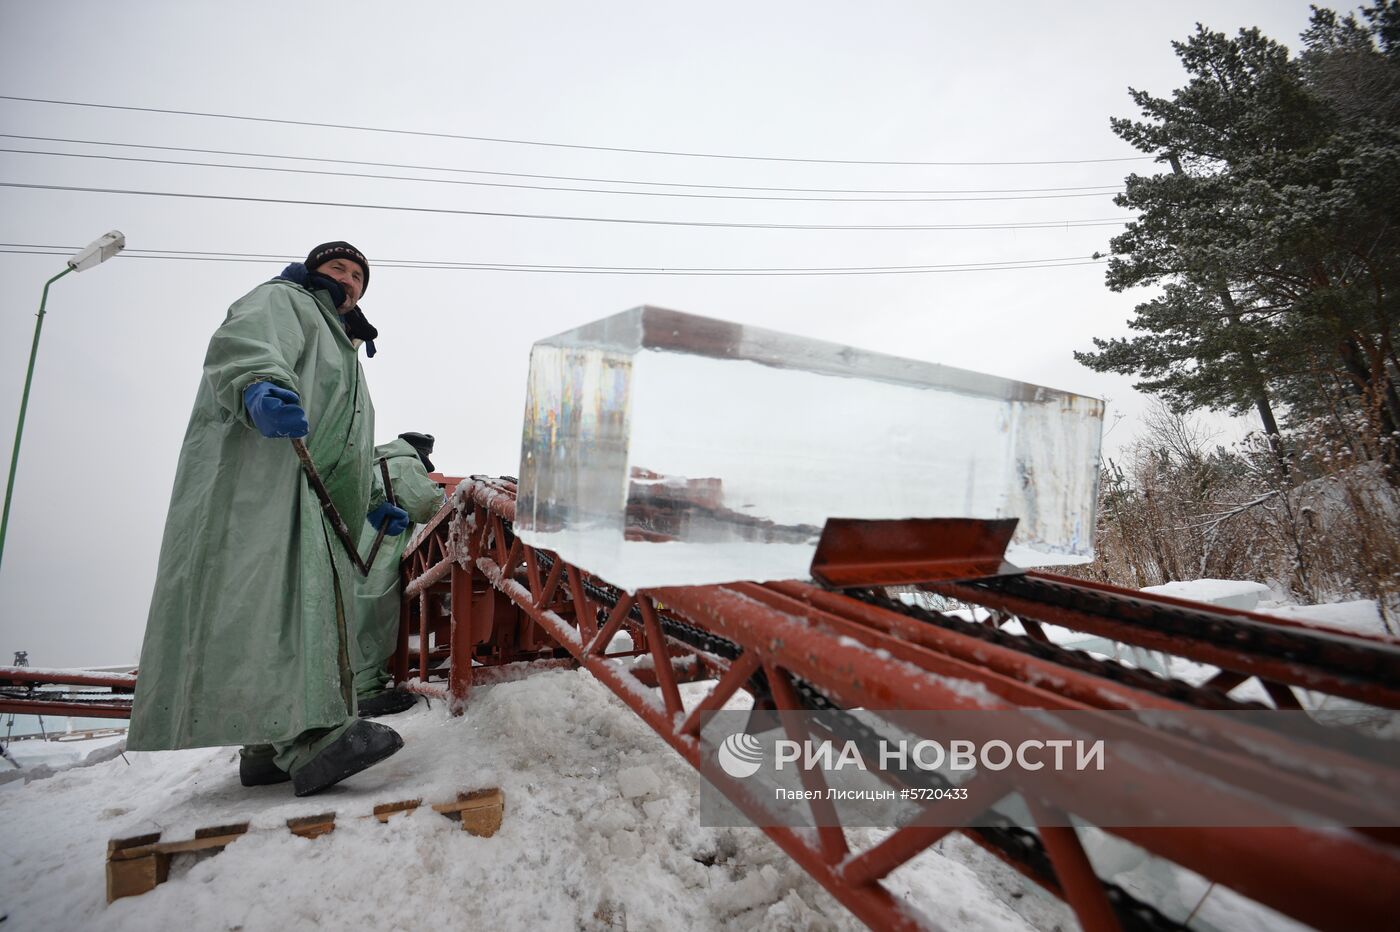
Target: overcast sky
x=823, y=90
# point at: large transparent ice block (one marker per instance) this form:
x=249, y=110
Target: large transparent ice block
x=662, y=448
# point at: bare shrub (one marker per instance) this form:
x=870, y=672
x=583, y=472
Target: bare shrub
x=1322, y=528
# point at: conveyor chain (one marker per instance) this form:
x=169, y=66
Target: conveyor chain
x=698, y=638
x=1369, y=662
x=1014, y=843
x=1202, y=697
x=22, y=693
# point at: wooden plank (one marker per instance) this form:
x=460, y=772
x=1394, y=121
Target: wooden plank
x=138, y=863
x=233, y=828
x=194, y=844
x=384, y=810
x=479, y=811
x=476, y=799
x=134, y=876
x=313, y=826
x=116, y=845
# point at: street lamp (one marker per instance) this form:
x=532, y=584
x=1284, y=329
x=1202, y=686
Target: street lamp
x=98, y=251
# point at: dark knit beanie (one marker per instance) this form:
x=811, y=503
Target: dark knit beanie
x=337, y=250
x=423, y=445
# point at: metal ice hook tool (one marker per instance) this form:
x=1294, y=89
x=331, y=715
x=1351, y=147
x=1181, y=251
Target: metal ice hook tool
x=389, y=494
x=328, y=507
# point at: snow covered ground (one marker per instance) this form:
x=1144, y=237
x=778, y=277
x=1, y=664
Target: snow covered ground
x=579, y=847
x=573, y=852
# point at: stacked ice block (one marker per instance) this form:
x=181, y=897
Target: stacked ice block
x=663, y=448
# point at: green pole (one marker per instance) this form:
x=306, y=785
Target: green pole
x=24, y=406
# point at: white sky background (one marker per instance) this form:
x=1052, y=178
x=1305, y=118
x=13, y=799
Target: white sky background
x=914, y=81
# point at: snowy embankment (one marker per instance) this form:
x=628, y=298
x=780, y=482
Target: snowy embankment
x=41, y=758
x=574, y=850
x=601, y=831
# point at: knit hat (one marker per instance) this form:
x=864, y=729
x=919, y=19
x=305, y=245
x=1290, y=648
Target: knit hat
x=337, y=250
x=423, y=444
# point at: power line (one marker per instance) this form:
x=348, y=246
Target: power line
x=530, y=187
x=553, y=145
x=1027, y=225
x=632, y=181
x=1004, y=265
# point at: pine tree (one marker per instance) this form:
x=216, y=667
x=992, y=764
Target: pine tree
x=1273, y=238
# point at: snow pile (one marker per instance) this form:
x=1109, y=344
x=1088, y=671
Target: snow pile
x=1227, y=593
x=41, y=759
x=600, y=832
x=1361, y=616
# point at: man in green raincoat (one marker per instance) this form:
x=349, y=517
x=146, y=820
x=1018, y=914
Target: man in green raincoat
x=377, y=595
x=246, y=641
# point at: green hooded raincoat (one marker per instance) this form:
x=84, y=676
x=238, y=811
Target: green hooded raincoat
x=246, y=638
x=377, y=595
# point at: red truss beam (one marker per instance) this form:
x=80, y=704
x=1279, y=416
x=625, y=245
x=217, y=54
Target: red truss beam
x=1280, y=652
x=18, y=676
x=30, y=691
x=81, y=709
x=478, y=599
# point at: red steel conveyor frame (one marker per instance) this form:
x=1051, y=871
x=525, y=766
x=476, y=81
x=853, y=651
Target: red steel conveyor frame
x=478, y=598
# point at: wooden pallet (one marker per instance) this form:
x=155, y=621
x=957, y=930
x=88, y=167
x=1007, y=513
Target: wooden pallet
x=137, y=864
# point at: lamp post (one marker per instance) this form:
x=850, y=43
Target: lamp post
x=99, y=250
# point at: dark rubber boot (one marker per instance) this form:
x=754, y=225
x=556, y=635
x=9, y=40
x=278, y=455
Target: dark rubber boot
x=363, y=745
x=257, y=769
x=387, y=703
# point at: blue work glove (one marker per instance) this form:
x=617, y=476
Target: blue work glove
x=276, y=412
x=394, y=520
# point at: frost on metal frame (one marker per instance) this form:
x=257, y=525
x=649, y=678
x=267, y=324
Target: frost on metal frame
x=662, y=448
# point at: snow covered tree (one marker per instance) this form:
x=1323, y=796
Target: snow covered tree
x=1274, y=237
